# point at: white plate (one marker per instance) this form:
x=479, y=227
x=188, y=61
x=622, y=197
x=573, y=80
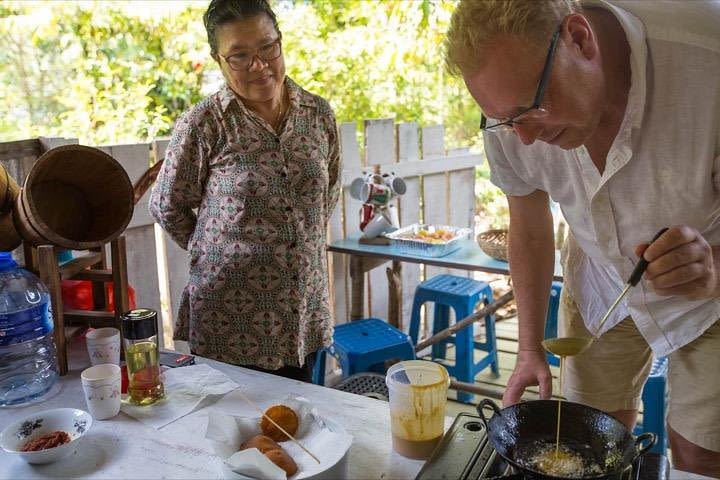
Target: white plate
x=74, y=422
x=335, y=469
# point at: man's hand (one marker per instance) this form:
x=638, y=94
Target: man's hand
x=531, y=369
x=681, y=262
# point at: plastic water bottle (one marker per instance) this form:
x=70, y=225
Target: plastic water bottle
x=28, y=366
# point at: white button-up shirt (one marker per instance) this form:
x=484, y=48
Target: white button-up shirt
x=662, y=170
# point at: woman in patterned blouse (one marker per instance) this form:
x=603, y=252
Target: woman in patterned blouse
x=250, y=178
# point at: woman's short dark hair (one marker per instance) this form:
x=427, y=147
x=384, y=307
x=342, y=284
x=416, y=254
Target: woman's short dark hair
x=220, y=12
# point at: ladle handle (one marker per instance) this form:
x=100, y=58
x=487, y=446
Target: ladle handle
x=642, y=263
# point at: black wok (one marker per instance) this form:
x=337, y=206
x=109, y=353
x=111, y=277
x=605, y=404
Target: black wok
x=517, y=431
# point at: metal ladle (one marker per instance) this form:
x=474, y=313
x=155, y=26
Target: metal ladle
x=568, y=346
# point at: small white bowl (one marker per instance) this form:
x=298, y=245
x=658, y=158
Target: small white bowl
x=74, y=422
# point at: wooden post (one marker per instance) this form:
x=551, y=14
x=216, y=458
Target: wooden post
x=357, y=277
x=99, y=292
x=120, y=279
x=50, y=276
x=120, y=285
x=395, y=295
x=30, y=255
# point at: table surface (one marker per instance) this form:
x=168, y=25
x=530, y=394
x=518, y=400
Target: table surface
x=124, y=448
x=468, y=257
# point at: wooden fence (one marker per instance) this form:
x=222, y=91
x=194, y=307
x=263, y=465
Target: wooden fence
x=440, y=190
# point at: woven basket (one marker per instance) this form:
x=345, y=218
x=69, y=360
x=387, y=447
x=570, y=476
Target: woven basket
x=494, y=244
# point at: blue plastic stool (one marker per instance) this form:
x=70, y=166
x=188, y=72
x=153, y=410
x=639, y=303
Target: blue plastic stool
x=364, y=346
x=655, y=405
x=462, y=294
x=551, y=322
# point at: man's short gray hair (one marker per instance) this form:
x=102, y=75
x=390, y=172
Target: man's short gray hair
x=475, y=23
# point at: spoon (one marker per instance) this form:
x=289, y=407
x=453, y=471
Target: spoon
x=568, y=346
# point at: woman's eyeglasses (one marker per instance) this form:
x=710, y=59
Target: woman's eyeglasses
x=242, y=62
x=533, y=112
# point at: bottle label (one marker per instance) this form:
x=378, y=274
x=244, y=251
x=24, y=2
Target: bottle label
x=29, y=324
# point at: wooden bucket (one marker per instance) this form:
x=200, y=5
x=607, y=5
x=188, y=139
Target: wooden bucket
x=9, y=190
x=75, y=197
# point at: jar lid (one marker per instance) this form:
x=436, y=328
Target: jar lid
x=139, y=323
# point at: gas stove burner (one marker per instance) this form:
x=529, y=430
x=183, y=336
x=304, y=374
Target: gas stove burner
x=465, y=454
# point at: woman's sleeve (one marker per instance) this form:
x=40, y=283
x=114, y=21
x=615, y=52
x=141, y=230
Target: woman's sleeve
x=334, y=168
x=180, y=183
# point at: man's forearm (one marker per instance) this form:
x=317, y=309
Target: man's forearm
x=532, y=259
x=531, y=266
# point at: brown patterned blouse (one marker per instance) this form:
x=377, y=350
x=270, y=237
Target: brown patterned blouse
x=258, y=287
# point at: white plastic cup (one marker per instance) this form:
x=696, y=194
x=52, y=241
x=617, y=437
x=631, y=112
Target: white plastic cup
x=393, y=216
x=101, y=385
x=377, y=225
x=418, y=397
x=103, y=345
x=356, y=189
x=396, y=184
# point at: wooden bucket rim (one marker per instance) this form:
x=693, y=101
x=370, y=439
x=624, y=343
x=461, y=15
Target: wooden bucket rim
x=9, y=194
x=26, y=201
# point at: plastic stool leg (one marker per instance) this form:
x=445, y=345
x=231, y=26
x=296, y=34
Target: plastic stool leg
x=464, y=369
x=492, y=343
x=551, y=322
x=414, y=331
x=318, y=376
x=653, y=397
x=441, y=321
x=490, y=336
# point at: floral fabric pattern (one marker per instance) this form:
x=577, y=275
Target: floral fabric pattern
x=258, y=287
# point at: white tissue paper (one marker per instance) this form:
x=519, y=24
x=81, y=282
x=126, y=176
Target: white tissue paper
x=186, y=388
x=326, y=440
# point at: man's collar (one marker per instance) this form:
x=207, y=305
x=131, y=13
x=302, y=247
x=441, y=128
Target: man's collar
x=636, y=37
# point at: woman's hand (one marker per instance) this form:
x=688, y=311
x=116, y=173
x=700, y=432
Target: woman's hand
x=531, y=369
x=681, y=262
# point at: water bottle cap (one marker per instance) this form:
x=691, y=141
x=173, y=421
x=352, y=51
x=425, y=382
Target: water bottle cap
x=139, y=323
x=6, y=261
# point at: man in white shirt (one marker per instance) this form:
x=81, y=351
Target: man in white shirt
x=613, y=111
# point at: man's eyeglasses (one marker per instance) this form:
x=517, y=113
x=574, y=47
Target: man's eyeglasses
x=533, y=112
x=267, y=53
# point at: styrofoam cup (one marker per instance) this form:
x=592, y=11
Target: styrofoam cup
x=101, y=385
x=103, y=345
x=377, y=225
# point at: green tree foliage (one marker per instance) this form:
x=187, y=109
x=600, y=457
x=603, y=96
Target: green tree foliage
x=105, y=73
x=379, y=59
x=96, y=72
x=122, y=71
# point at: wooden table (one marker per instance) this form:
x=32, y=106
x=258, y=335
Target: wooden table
x=364, y=258
x=124, y=448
